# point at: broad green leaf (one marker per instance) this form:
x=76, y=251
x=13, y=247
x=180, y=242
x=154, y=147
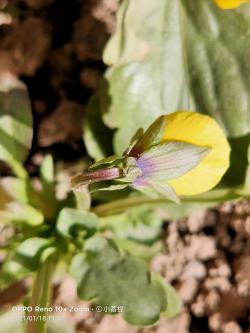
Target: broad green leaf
x=179, y=55
x=110, y=278
x=15, y=125
x=97, y=137
x=25, y=258
x=73, y=223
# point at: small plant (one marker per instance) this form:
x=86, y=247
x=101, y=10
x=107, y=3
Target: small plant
x=146, y=154
x=48, y=231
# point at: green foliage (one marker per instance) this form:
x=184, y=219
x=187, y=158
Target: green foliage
x=27, y=257
x=73, y=223
x=140, y=224
x=15, y=125
x=97, y=137
x=104, y=276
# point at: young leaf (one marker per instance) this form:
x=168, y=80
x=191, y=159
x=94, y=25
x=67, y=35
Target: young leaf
x=72, y=223
x=15, y=188
x=16, y=212
x=25, y=258
x=48, y=185
x=110, y=278
x=83, y=198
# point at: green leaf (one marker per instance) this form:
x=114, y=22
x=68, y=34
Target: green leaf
x=83, y=198
x=16, y=212
x=25, y=258
x=110, y=278
x=5, y=197
x=15, y=125
x=72, y=223
x=47, y=177
x=15, y=188
x=179, y=55
x=97, y=137
x=140, y=224
x=174, y=303
x=145, y=252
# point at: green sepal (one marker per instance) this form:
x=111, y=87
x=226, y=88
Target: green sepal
x=151, y=137
x=110, y=161
x=103, y=186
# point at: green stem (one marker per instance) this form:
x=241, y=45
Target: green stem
x=41, y=295
x=118, y=206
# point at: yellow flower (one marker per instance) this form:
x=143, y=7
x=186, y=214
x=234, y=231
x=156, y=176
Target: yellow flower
x=229, y=4
x=200, y=130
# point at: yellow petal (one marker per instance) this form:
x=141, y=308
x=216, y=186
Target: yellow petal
x=229, y=4
x=201, y=130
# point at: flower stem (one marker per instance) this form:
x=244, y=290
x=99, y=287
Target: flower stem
x=118, y=206
x=40, y=298
x=123, y=204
